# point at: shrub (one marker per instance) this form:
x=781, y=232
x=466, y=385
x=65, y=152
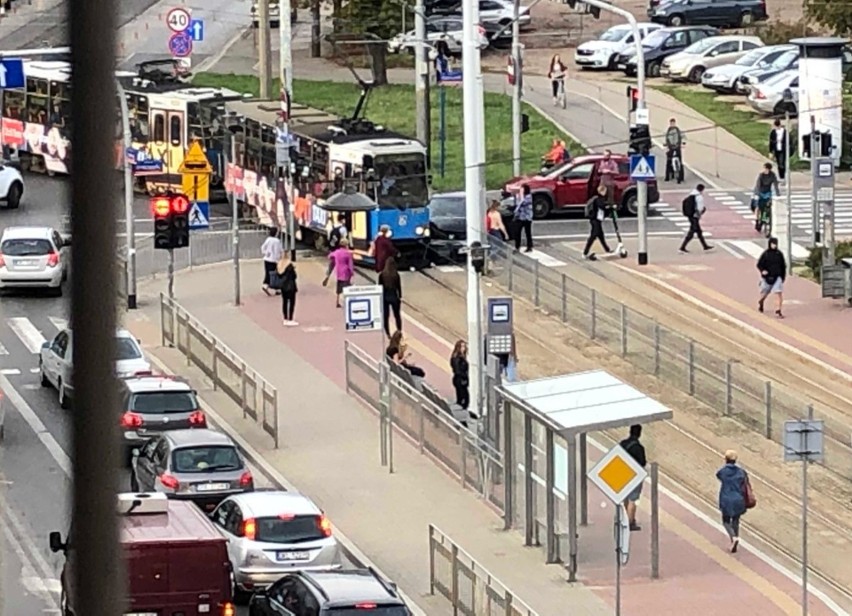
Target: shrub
x=842, y=250
x=780, y=32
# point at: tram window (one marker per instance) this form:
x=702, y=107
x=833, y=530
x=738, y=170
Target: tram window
x=175, y=133
x=13, y=104
x=138, y=111
x=159, y=128
x=37, y=87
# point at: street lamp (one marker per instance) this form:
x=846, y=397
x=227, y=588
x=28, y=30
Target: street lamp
x=789, y=105
x=235, y=127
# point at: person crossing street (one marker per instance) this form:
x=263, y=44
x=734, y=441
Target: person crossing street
x=596, y=211
x=693, y=209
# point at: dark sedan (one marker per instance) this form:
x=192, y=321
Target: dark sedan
x=722, y=13
x=448, y=226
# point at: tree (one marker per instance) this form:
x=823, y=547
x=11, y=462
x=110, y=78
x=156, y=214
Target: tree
x=376, y=21
x=833, y=14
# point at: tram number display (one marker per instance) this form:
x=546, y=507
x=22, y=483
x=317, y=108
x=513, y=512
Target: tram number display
x=178, y=20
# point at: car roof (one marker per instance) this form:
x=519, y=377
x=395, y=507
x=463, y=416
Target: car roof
x=148, y=384
x=27, y=233
x=353, y=585
x=588, y=158
x=272, y=503
x=197, y=437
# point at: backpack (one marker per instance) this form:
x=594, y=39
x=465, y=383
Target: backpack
x=334, y=238
x=688, y=206
x=590, y=207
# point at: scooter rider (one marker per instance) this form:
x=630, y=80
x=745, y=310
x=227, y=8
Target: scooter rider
x=596, y=211
x=674, y=146
x=766, y=180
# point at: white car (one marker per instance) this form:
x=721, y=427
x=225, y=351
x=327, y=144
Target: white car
x=55, y=362
x=11, y=186
x=603, y=52
x=447, y=29
x=33, y=257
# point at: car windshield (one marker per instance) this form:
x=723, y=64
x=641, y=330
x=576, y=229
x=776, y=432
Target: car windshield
x=153, y=402
x=784, y=59
x=447, y=206
x=402, y=181
x=656, y=38
x=126, y=348
x=701, y=46
x=613, y=35
x=363, y=609
x=751, y=58
x=782, y=79
x=289, y=529
x=206, y=459
x=26, y=248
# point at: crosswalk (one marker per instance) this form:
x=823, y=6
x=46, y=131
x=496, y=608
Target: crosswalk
x=24, y=336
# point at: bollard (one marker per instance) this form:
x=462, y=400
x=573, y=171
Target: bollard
x=564, y=298
x=594, y=315
x=767, y=398
x=536, y=284
x=655, y=521
x=657, y=337
x=729, y=388
x=690, y=366
x=623, y=330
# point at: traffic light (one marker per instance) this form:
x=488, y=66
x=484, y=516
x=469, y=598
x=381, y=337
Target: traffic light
x=525, y=123
x=640, y=139
x=633, y=97
x=171, y=221
x=594, y=11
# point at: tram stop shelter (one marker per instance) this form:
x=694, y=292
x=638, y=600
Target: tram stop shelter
x=545, y=423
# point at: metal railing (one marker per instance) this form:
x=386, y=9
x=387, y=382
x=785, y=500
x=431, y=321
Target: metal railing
x=477, y=465
x=228, y=372
x=469, y=587
x=723, y=383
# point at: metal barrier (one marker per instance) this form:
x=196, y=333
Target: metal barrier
x=477, y=465
x=228, y=372
x=724, y=384
x=469, y=587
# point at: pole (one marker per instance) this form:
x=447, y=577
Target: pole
x=421, y=78
x=789, y=191
x=129, y=221
x=442, y=98
x=235, y=226
x=474, y=189
x=517, y=88
x=285, y=51
x=805, y=537
x=316, y=32
x=171, y=273
x=286, y=77
x=815, y=150
x=264, y=51
x=618, y=531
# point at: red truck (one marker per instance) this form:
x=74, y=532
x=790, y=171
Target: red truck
x=177, y=561
x=567, y=187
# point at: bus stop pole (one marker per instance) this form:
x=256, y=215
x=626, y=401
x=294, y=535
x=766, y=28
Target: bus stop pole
x=129, y=222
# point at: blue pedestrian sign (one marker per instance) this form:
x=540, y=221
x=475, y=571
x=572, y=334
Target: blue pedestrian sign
x=196, y=30
x=11, y=73
x=199, y=215
x=180, y=45
x=642, y=167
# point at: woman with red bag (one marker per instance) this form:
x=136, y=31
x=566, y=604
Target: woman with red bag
x=735, y=496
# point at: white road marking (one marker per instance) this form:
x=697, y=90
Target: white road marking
x=59, y=323
x=27, y=332
x=10, y=371
x=3, y=350
x=545, y=259
x=724, y=246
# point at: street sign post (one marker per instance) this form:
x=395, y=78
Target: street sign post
x=362, y=308
x=195, y=173
x=178, y=19
x=180, y=45
x=643, y=167
x=11, y=73
x=196, y=30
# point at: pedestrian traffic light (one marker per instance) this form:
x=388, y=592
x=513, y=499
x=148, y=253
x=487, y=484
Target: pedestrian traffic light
x=640, y=139
x=594, y=11
x=525, y=123
x=633, y=97
x=171, y=221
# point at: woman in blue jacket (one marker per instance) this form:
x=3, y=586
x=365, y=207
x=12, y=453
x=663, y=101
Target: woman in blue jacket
x=732, y=502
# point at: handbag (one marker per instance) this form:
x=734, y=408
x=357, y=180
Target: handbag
x=276, y=281
x=748, y=494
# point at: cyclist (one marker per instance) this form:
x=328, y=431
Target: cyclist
x=674, y=147
x=762, y=201
x=557, y=74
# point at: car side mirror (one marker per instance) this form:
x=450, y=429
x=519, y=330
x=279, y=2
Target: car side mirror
x=66, y=241
x=46, y=344
x=55, y=541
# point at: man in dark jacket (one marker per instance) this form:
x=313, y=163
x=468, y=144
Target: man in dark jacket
x=383, y=248
x=693, y=209
x=636, y=450
x=773, y=272
x=596, y=211
x=778, y=147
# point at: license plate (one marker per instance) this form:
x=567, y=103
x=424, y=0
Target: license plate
x=287, y=556
x=25, y=262
x=212, y=487
x=141, y=614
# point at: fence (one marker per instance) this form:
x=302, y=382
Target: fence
x=724, y=384
x=478, y=466
x=469, y=587
x=255, y=396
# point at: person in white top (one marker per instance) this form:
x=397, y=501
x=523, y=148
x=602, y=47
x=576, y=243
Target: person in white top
x=557, y=74
x=272, y=251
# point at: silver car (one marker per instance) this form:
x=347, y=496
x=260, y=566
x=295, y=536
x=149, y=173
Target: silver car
x=691, y=63
x=727, y=78
x=273, y=533
x=198, y=465
x=768, y=98
x=55, y=362
x=33, y=257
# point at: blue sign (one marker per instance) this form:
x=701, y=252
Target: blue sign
x=199, y=215
x=642, y=167
x=180, y=45
x=196, y=30
x=148, y=165
x=11, y=73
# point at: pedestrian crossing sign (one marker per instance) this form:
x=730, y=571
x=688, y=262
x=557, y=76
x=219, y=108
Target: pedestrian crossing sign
x=642, y=167
x=199, y=215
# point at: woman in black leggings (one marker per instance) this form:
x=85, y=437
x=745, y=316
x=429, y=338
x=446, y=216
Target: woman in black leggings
x=391, y=295
x=289, y=289
x=461, y=374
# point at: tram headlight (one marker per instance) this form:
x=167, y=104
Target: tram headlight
x=421, y=231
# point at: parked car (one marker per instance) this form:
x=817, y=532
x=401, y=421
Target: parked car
x=490, y=11
x=787, y=61
x=11, y=186
x=691, y=63
x=568, y=187
x=723, y=13
x=33, y=258
x=767, y=98
x=445, y=28
x=272, y=533
x=661, y=44
x=726, y=78
x=603, y=52
x=356, y=591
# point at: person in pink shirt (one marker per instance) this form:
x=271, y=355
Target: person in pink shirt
x=342, y=263
x=608, y=169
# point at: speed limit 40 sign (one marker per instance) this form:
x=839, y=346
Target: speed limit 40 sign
x=178, y=20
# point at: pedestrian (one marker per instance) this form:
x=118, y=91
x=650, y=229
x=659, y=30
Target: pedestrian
x=773, y=272
x=461, y=374
x=636, y=450
x=382, y=248
x=523, y=218
x=287, y=277
x=557, y=72
x=391, y=294
x=271, y=250
x=399, y=354
x=342, y=263
x=494, y=222
x=763, y=185
x=693, y=208
x=596, y=210
x=338, y=232
x=778, y=147
x=674, y=148
x=733, y=489
x=608, y=169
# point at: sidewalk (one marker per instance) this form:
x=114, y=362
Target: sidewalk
x=328, y=430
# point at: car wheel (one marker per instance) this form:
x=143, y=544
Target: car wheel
x=64, y=400
x=240, y=597
x=541, y=205
x=13, y=197
x=677, y=20
x=696, y=74
x=735, y=85
x=653, y=69
x=629, y=204
x=613, y=60
x=746, y=19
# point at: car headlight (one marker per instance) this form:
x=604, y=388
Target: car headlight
x=419, y=230
x=660, y=12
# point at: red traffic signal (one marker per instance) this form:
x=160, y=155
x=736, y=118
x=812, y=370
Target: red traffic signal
x=179, y=204
x=633, y=96
x=170, y=204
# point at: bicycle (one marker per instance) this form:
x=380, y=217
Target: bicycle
x=561, y=98
x=676, y=165
x=763, y=224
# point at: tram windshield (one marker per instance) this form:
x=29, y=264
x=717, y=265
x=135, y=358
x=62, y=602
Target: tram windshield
x=402, y=180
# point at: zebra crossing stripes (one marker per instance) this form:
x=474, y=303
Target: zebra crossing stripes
x=800, y=209
x=752, y=249
x=29, y=335
x=24, y=336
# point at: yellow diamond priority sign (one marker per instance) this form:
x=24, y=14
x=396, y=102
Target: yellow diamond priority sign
x=617, y=474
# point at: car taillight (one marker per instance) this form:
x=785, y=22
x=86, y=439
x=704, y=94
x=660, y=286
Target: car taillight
x=759, y=94
x=324, y=525
x=250, y=529
x=2, y=261
x=131, y=420
x=53, y=259
x=365, y=606
x=198, y=419
x=228, y=609
x=246, y=479
x=169, y=482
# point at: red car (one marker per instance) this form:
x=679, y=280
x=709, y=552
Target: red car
x=567, y=187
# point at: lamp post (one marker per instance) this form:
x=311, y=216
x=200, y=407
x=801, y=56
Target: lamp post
x=235, y=127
